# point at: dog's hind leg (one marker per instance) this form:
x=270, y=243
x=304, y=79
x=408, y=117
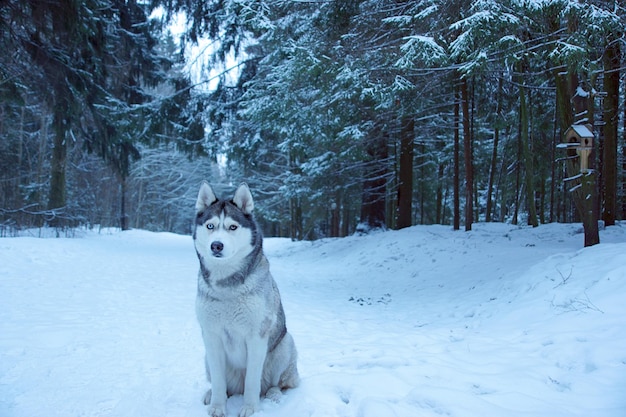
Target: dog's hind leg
x=207, y=397
x=274, y=394
x=285, y=359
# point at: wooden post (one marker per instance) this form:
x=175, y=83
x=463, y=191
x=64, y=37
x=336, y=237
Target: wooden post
x=579, y=138
x=590, y=215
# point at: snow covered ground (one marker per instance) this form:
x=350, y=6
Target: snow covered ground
x=500, y=321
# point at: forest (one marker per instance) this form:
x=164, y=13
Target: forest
x=342, y=115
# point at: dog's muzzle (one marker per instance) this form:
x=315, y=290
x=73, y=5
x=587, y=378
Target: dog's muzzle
x=217, y=247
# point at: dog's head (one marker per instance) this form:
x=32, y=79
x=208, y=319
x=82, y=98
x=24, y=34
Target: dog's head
x=225, y=229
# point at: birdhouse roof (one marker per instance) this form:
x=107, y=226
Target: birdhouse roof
x=581, y=131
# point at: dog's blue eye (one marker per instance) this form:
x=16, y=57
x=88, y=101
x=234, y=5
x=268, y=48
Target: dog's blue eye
x=232, y=227
x=210, y=226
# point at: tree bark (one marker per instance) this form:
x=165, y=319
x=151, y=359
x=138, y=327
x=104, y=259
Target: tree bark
x=374, y=197
x=624, y=164
x=440, y=211
x=589, y=214
x=57, y=196
x=296, y=230
x=553, y=173
x=405, y=188
x=610, y=116
x=456, y=180
x=571, y=104
x=518, y=171
x=124, y=224
x=335, y=215
x=527, y=155
x=494, y=153
x=469, y=167
x=565, y=87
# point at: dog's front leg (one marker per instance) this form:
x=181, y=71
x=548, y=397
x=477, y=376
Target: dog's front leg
x=256, y=350
x=216, y=362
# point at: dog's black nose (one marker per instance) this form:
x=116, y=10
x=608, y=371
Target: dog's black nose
x=217, y=247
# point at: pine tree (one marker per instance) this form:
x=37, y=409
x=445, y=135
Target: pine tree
x=92, y=64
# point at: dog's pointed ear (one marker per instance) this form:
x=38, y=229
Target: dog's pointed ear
x=206, y=197
x=243, y=198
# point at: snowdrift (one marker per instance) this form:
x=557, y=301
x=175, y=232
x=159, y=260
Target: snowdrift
x=499, y=321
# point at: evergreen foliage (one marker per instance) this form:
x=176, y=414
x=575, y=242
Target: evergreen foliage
x=318, y=121
x=340, y=114
x=81, y=76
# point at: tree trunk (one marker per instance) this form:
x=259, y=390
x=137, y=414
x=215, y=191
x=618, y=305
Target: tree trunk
x=456, y=181
x=469, y=168
x=335, y=215
x=518, y=171
x=299, y=220
x=345, y=224
x=527, y=155
x=374, y=197
x=589, y=214
x=405, y=188
x=499, y=190
x=494, y=153
x=57, y=196
x=573, y=108
x=124, y=225
x=610, y=116
x=295, y=213
x=472, y=108
x=624, y=164
x=542, y=200
x=424, y=172
x=586, y=196
x=553, y=171
x=440, y=211
x=565, y=87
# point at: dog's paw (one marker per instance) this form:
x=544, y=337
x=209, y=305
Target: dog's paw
x=247, y=410
x=274, y=394
x=216, y=411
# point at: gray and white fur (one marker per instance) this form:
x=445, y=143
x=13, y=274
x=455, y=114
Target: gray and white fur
x=248, y=348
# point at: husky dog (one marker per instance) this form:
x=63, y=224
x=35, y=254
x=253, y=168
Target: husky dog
x=248, y=349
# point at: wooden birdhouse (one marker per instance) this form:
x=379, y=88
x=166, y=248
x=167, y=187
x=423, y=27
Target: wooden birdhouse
x=580, y=138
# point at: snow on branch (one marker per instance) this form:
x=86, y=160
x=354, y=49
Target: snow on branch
x=421, y=49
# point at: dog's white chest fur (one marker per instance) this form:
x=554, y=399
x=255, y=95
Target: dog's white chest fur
x=235, y=321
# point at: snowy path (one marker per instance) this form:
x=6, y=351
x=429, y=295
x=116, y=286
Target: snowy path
x=419, y=322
